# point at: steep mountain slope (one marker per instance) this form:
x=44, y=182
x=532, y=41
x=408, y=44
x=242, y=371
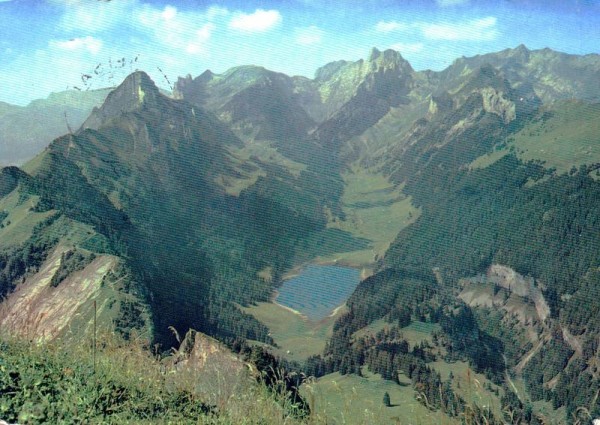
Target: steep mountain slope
x=381, y=82
x=306, y=120
x=259, y=105
x=26, y=131
x=536, y=76
x=563, y=135
x=467, y=124
x=55, y=270
x=141, y=171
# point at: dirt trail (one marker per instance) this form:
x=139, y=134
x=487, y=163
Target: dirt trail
x=509, y=379
x=528, y=357
x=572, y=341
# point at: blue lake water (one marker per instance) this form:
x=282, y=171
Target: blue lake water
x=318, y=290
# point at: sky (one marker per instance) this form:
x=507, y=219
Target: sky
x=53, y=45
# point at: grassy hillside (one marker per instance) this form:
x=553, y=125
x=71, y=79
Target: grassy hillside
x=565, y=135
x=119, y=383
x=353, y=400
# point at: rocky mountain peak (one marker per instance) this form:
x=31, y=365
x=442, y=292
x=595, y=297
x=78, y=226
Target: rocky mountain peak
x=375, y=53
x=522, y=49
x=136, y=91
x=518, y=56
x=388, y=59
x=137, y=87
x=206, y=75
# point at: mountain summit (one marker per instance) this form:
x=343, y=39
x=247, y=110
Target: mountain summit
x=132, y=94
x=388, y=59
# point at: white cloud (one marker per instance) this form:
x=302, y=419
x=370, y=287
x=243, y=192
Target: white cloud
x=216, y=11
x=203, y=35
x=408, y=47
x=89, y=44
x=446, y=3
x=384, y=26
x=95, y=16
x=169, y=13
x=259, y=21
x=483, y=29
x=309, y=35
x=188, y=32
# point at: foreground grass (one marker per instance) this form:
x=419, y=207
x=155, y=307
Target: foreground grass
x=60, y=384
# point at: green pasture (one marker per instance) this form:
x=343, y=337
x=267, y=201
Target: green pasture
x=352, y=399
x=296, y=336
x=567, y=135
x=376, y=210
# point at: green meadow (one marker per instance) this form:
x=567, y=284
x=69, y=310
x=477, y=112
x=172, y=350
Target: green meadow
x=565, y=136
x=376, y=211
x=296, y=337
x=352, y=399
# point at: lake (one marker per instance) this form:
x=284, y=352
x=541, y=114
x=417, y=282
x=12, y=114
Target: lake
x=317, y=290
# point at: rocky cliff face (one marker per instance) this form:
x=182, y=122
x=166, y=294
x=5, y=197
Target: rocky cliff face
x=497, y=103
x=218, y=373
x=135, y=91
x=39, y=311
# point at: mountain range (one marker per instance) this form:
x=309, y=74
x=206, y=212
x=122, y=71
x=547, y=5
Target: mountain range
x=177, y=212
x=26, y=130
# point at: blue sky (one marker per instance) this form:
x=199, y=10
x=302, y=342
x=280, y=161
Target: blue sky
x=47, y=46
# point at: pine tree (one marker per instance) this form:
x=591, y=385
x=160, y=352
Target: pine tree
x=386, y=400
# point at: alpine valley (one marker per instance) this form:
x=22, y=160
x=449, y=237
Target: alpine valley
x=469, y=199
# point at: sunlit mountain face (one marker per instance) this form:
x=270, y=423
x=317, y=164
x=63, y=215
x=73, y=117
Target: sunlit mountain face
x=413, y=228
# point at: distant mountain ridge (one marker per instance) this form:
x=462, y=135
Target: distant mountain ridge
x=25, y=131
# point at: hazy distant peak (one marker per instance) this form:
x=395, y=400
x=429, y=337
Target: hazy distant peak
x=520, y=53
x=246, y=74
x=388, y=54
x=522, y=47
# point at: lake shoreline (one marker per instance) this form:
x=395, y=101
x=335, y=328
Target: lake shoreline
x=320, y=291
x=295, y=271
x=273, y=300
